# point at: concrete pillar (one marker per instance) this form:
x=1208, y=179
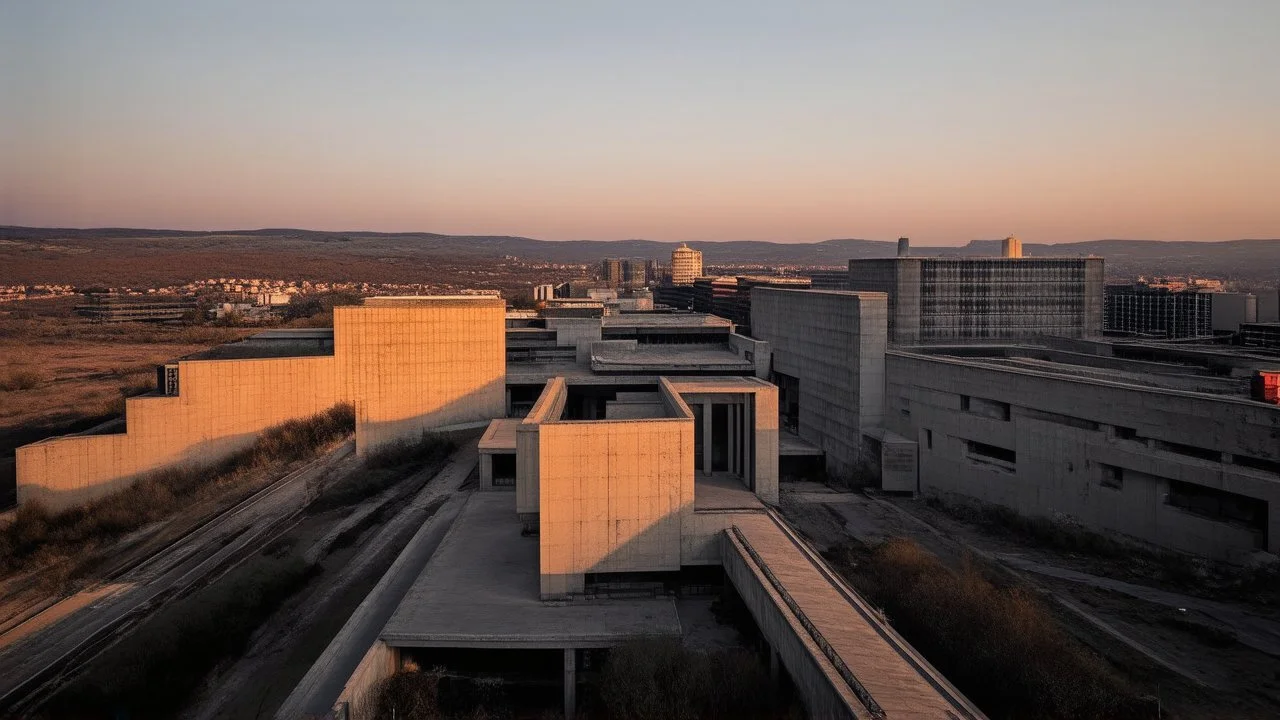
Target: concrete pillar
x=706, y=438
x=749, y=423
x=570, y=683
x=507, y=411
x=486, y=471
x=733, y=438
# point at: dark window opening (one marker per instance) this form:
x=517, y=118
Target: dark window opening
x=1126, y=433
x=1192, y=451
x=1257, y=463
x=1220, y=505
x=1112, y=477
x=964, y=403
x=928, y=439
x=984, y=452
x=504, y=470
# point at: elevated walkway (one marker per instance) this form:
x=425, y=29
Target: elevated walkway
x=845, y=660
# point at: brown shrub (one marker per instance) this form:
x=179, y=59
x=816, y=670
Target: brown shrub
x=37, y=536
x=22, y=379
x=652, y=678
x=1000, y=646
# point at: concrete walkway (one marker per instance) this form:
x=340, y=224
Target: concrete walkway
x=898, y=680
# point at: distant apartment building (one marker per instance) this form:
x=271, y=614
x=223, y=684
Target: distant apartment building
x=542, y=293
x=686, y=265
x=1157, y=312
x=1261, y=335
x=829, y=279
x=611, y=272
x=945, y=299
x=624, y=272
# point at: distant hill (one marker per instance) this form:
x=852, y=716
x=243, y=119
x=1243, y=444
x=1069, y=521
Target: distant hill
x=123, y=255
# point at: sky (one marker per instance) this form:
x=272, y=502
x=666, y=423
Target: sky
x=688, y=120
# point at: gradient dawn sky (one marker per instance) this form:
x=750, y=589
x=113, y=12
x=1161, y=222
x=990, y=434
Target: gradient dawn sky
x=788, y=121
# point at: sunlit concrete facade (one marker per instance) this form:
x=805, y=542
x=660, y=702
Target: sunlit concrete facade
x=407, y=365
x=414, y=364
x=618, y=494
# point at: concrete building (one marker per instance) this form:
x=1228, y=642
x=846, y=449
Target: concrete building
x=829, y=279
x=945, y=300
x=1261, y=335
x=1231, y=310
x=1157, y=312
x=828, y=350
x=611, y=272
x=542, y=293
x=686, y=265
x=1269, y=305
x=406, y=364
x=1115, y=437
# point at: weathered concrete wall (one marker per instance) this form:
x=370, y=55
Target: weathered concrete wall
x=611, y=496
x=833, y=342
x=222, y=407
x=1100, y=452
x=413, y=364
x=759, y=352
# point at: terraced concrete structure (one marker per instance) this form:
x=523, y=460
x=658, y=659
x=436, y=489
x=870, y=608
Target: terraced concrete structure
x=406, y=364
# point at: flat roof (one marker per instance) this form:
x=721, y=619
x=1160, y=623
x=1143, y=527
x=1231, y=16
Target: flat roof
x=683, y=385
x=480, y=590
x=722, y=491
x=657, y=358
x=500, y=435
x=294, y=334
x=792, y=445
x=666, y=320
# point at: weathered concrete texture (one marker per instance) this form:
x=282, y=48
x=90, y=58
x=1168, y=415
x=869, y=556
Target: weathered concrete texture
x=1104, y=453
x=413, y=364
x=960, y=299
x=498, y=439
x=481, y=590
x=881, y=671
x=222, y=407
x=833, y=343
x=611, y=494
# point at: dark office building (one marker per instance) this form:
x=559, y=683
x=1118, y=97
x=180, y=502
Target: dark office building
x=1157, y=312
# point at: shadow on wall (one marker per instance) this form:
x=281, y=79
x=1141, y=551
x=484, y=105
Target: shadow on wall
x=478, y=406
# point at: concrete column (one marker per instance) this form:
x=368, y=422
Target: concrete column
x=749, y=423
x=570, y=683
x=733, y=438
x=507, y=411
x=486, y=471
x=706, y=438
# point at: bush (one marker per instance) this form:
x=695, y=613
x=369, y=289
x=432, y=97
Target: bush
x=41, y=537
x=384, y=467
x=22, y=379
x=652, y=678
x=155, y=670
x=1000, y=646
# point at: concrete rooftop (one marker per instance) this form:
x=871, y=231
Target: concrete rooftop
x=665, y=320
x=659, y=358
x=500, y=435
x=481, y=590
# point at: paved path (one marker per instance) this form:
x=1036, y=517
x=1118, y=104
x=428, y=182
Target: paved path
x=1257, y=632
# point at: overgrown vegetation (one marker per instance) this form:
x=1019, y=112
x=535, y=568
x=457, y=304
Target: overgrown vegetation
x=658, y=678
x=1000, y=646
x=156, y=670
x=385, y=466
x=38, y=537
x=433, y=695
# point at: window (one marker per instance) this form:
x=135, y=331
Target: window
x=1112, y=477
x=1218, y=505
x=993, y=455
x=928, y=439
x=964, y=403
x=1126, y=433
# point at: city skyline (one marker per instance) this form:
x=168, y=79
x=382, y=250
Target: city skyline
x=572, y=121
